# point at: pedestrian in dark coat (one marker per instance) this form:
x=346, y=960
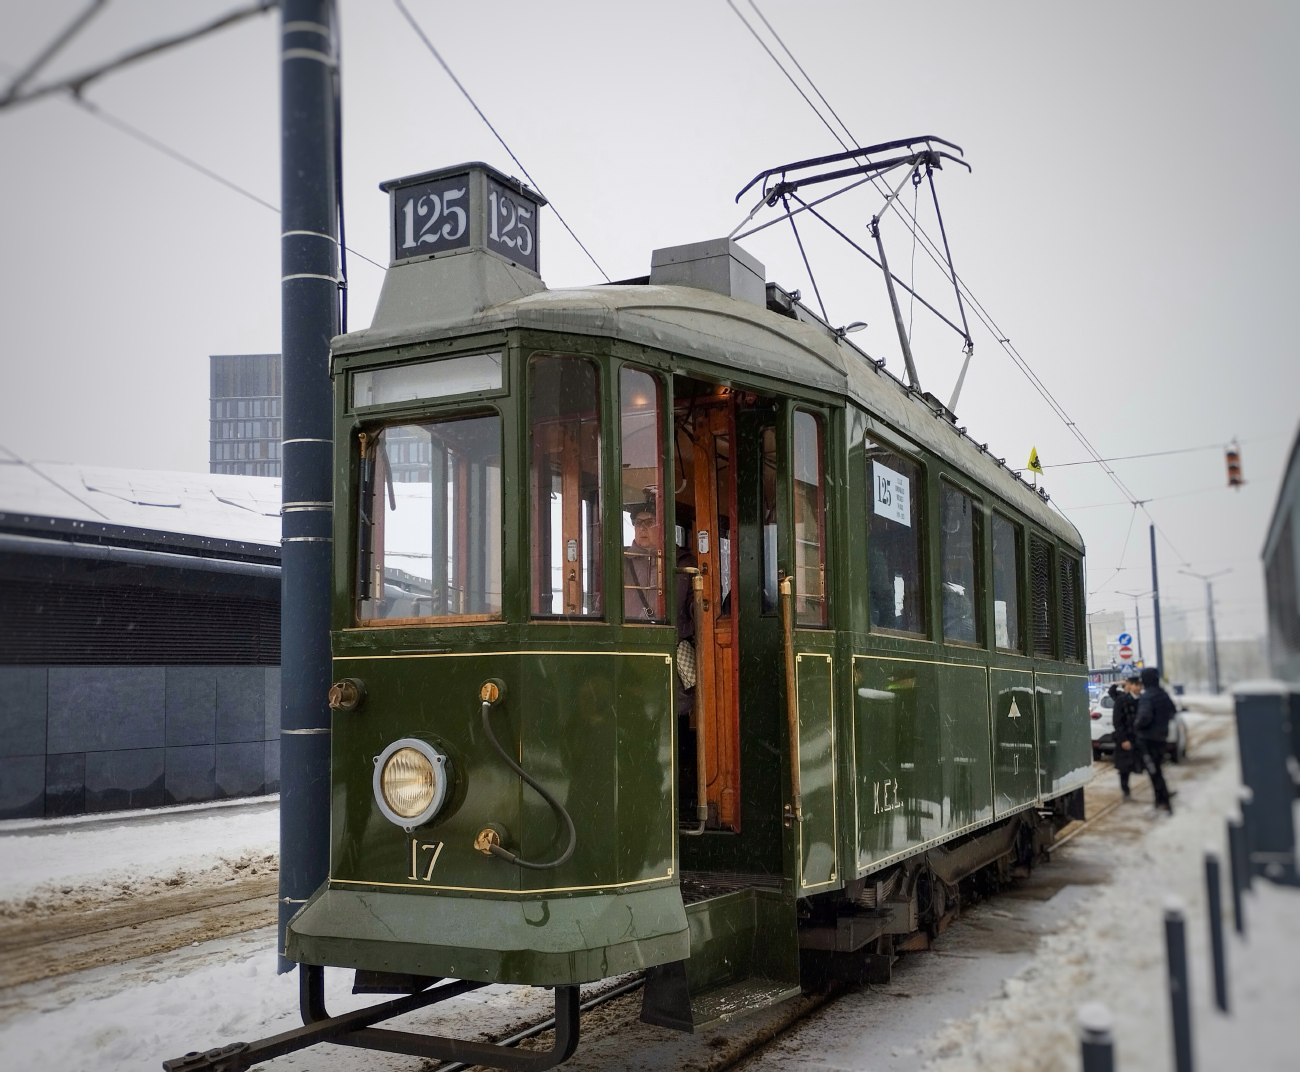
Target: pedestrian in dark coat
x=1155, y=711
x=1123, y=716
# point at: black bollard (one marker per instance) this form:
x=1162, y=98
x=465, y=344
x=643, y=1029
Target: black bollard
x=1214, y=909
x=1237, y=860
x=1096, y=1041
x=1245, y=798
x=1180, y=1006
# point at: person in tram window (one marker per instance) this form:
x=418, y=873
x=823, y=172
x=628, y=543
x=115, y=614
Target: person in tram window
x=641, y=566
x=1124, y=714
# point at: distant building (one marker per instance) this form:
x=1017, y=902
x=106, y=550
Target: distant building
x=1104, y=629
x=245, y=401
x=1280, y=580
x=139, y=639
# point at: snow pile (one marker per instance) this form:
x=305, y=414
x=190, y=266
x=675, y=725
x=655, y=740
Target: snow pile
x=76, y=866
x=1114, y=953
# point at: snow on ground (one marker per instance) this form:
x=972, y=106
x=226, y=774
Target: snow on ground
x=59, y=866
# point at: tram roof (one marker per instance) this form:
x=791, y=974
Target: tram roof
x=738, y=335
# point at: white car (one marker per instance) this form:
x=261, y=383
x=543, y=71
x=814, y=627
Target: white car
x=1101, y=721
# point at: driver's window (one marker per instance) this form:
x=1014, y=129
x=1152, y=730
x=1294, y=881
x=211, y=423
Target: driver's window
x=641, y=427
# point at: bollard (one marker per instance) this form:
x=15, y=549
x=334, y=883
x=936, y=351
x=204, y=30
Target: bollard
x=1180, y=1007
x=1237, y=862
x=1214, y=910
x=1096, y=1040
x=1245, y=798
x=1264, y=745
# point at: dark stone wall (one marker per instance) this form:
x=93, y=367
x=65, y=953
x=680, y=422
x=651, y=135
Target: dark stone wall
x=77, y=739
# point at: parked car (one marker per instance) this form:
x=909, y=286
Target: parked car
x=1101, y=716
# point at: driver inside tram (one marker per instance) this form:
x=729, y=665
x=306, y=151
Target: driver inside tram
x=641, y=565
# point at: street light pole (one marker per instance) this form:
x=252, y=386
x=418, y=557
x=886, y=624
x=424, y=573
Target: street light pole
x=1211, y=640
x=1155, y=604
x=1137, y=619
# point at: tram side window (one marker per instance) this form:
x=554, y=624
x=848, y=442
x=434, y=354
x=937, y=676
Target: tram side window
x=809, y=522
x=1006, y=584
x=1040, y=594
x=430, y=524
x=959, y=525
x=894, y=542
x=564, y=475
x=1069, y=608
x=641, y=439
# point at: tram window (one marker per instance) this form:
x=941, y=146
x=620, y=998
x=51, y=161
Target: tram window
x=564, y=475
x=894, y=542
x=809, y=522
x=959, y=525
x=641, y=441
x=1006, y=584
x=1040, y=588
x=430, y=524
x=768, y=492
x=1069, y=608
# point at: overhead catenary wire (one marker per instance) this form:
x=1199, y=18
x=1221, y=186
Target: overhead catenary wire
x=406, y=14
x=977, y=307
x=91, y=108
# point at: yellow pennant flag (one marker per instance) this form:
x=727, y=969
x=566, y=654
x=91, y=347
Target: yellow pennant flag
x=1035, y=466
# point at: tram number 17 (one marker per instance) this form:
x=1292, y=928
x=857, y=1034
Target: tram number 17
x=416, y=849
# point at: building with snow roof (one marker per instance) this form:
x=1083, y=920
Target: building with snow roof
x=139, y=637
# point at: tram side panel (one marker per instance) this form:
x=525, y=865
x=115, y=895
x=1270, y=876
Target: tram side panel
x=1065, y=744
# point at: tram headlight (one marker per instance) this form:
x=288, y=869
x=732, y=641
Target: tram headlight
x=410, y=782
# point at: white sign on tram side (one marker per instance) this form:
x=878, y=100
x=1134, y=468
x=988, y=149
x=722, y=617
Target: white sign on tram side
x=892, y=494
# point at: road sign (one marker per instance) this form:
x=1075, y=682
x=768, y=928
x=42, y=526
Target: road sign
x=1125, y=653
x=1124, y=640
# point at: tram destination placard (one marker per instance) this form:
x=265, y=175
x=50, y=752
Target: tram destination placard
x=430, y=217
x=511, y=225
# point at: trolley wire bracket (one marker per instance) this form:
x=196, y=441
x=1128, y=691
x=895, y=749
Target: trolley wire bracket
x=354, y=1029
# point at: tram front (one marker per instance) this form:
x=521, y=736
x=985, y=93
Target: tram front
x=503, y=758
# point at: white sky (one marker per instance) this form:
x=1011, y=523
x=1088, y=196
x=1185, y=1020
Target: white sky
x=1130, y=222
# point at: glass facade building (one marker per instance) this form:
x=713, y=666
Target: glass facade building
x=245, y=415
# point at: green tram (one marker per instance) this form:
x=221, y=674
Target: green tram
x=671, y=632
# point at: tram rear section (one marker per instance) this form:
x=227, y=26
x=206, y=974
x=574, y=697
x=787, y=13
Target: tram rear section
x=671, y=633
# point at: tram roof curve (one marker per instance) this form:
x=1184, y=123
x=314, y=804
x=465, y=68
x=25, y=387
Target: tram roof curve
x=713, y=327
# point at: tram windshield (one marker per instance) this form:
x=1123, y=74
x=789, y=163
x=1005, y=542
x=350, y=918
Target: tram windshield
x=430, y=531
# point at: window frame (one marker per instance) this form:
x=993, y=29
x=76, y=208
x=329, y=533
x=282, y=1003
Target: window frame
x=820, y=419
x=1063, y=555
x=1021, y=573
x=977, y=558
x=871, y=439
x=1053, y=596
x=372, y=430
x=666, y=518
x=606, y=414
x=421, y=405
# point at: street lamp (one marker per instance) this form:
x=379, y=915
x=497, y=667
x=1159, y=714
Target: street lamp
x=1137, y=619
x=1212, y=644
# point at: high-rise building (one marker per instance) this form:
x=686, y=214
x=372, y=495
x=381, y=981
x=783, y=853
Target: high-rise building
x=245, y=401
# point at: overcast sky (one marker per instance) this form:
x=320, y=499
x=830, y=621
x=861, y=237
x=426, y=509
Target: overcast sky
x=1131, y=220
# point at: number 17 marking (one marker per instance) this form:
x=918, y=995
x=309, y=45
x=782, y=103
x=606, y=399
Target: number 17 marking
x=416, y=849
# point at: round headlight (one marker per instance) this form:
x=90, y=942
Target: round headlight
x=410, y=782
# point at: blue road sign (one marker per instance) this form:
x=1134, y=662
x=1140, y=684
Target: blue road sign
x=1124, y=640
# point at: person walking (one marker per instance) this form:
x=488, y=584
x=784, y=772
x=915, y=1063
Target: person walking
x=1123, y=716
x=1155, y=710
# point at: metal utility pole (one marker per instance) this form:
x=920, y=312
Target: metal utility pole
x=309, y=318
x=1155, y=604
x=1211, y=640
x=1137, y=620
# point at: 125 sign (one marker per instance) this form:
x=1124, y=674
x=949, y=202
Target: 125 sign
x=511, y=225
x=431, y=217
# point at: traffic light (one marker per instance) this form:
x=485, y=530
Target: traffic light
x=1234, y=466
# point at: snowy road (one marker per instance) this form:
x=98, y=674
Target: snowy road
x=999, y=989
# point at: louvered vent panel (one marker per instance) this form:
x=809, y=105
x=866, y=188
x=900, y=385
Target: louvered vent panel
x=1040, y=590
x=60, y=624
x=1069, y=608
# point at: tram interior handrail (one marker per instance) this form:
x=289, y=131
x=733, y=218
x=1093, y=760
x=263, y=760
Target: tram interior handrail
x=791, y=697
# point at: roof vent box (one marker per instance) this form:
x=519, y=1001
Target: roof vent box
x=719, y=265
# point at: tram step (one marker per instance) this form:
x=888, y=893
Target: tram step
x=738, y=999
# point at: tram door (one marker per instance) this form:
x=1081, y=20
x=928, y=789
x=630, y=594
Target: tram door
x=707, y=531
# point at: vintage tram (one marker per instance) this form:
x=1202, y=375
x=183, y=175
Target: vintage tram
x=671, y=632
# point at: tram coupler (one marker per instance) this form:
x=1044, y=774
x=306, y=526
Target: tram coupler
x=354, y=1029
